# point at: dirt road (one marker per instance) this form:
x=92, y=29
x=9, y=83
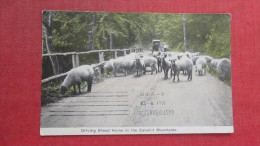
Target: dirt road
x=148, y=100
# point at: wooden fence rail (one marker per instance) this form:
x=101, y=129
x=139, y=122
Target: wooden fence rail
x=76, y=62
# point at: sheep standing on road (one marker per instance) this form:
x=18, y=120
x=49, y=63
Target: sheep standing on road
x=77, y=76
x=130, y=59
x=184, y=64
x=139, y=66
x=194, y=59
x=150, y=62
x=159, y=63
x=224, y=68
x=166, y=65
x=121, y=63
x=201, y=65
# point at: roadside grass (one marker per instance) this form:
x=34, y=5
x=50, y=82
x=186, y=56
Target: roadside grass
x=51, y=92
x=214, y=73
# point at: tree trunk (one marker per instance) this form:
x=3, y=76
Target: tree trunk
x=110, y=33
x=110, y=40
x=184, y=31
x=91, y=32
x=50, y=50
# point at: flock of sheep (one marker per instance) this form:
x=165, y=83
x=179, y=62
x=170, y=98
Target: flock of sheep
x=138, y=63
x=169, y=62
x=131, y=63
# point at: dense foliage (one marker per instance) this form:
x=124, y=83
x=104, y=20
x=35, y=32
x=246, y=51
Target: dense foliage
x=71, y=31
x=209, y=33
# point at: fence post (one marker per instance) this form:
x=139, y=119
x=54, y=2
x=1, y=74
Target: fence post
x=75, y=60
x=101, y=56
x=115, y=53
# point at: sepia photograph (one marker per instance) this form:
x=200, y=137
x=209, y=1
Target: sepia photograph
x=107, y=73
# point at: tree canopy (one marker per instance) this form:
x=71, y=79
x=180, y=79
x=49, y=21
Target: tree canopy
x=207, y=33
x=71, y=31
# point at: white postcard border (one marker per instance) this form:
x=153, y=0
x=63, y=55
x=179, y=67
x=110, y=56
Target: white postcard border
x=136, y=130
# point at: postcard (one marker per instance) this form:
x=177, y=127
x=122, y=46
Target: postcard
x=109, y=73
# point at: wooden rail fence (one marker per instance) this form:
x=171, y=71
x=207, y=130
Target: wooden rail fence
x=76, y=62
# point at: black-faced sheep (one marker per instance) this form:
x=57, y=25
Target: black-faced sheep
x=194, y=59
x=166, y=65
x=159, y=63
x=201, y=65
x=139, y=66
x=224, y=68
x=184, y=64
x=77, y=76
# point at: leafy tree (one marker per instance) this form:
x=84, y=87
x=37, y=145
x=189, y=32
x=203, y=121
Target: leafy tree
x=70, y=31
x=209, y=34
x=47, y=29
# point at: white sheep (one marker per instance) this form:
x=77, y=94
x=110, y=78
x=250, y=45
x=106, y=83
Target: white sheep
x=120, y=63
x=180, y=54
x=224, y=68
x=130, y=59
x=201, y=65
x=170, y=54
x=190, y=55
x=183, y=64
x=150, y=61
x=156, y=53
x=214, y=63
x=194, y=59
x=76, y=76
x=195, y=54
x=108, y=66
x=208, y=58
x=125, y=63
